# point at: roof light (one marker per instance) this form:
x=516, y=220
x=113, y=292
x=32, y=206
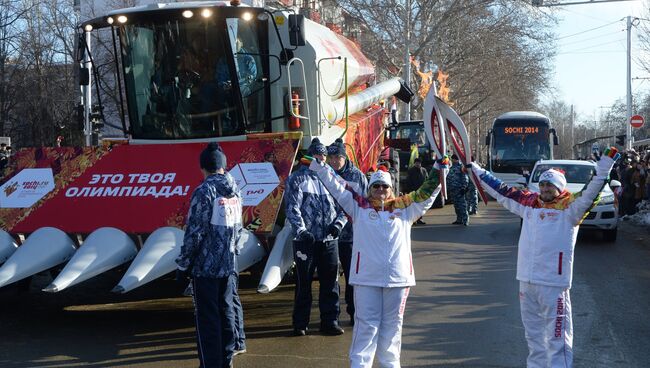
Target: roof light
x=206, y=13
x=110, y=20
x=188, y=14
x=122, y=19
x=88, y=27
x=247, y=16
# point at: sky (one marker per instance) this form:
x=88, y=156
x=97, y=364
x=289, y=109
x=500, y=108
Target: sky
x=590, y=66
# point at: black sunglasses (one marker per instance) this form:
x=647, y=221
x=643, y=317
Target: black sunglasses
x=377, y=186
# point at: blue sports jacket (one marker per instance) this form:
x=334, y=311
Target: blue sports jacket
x=309, y=206
x=213, y=228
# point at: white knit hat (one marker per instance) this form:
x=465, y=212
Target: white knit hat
x=380, y=177
x=554, y=177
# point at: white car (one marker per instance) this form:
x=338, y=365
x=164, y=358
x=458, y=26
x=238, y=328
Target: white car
x=604, y=216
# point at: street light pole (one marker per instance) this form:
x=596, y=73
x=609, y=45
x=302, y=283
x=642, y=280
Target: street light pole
x=407, y=57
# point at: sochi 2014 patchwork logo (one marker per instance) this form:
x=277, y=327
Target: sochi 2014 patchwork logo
x=26, y=188
x=11, y=188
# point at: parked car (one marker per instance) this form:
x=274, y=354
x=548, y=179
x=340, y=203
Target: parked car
x=604, y=216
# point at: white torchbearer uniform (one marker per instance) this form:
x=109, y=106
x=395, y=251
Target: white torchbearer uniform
x=545, y=261
x=382, y=267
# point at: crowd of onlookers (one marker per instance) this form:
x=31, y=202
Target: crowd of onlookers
x=632, y=172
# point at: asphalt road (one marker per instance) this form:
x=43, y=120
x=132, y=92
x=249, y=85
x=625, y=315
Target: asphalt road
x=464, y=311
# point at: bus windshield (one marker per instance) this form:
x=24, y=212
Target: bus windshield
x=518, y=144
x=187, y=79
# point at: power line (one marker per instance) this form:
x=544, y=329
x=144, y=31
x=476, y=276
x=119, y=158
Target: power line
x=591, y=38
x=591, y=52
x=589, y=30
x=598, y=45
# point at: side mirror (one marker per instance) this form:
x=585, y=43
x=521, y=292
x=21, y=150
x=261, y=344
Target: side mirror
x=614, y=183
x=487, y=140
x=297, y=30
x=556, y=141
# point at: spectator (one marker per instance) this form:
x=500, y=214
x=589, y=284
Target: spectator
x=4, y=156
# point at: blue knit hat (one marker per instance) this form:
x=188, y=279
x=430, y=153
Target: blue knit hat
x=337, y=148
x=212, y=158
x=316, y=148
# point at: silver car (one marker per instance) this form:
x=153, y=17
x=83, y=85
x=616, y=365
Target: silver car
x=604, y=216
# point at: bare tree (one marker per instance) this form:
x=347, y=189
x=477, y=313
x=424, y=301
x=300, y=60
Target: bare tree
x=11, y=15
x=560, y=114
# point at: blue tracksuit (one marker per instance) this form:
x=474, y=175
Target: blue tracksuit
x=208, y=252
x=310, y=207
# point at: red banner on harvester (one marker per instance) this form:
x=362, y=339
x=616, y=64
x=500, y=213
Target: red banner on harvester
x=139, y=188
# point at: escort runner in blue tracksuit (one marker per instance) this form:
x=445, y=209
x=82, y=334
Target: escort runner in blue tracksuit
x=338, y=160
x=317, y=222
x=213, y=228
x=547, y=240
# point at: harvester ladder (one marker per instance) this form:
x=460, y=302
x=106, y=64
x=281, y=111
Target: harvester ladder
x=304, y=88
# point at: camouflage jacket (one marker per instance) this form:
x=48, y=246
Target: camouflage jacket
x=457, y=180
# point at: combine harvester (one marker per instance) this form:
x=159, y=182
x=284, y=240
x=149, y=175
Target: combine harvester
x=262, y=83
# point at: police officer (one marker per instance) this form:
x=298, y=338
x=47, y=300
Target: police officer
x=472, y=197
x=317, y=222
x=208, y=256
x=337, y=159
x=458, y=185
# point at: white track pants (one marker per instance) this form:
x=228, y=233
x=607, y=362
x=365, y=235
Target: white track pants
x=377, y=325
x=546, y=315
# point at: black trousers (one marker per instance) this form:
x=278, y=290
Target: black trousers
x=324, y=257
x=215, y=320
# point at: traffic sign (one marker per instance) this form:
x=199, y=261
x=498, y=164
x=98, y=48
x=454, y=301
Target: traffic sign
x=636, y=121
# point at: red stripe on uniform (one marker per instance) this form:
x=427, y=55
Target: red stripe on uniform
x=559, y=265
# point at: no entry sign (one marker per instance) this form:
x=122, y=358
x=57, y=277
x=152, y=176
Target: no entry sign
x=636, y=121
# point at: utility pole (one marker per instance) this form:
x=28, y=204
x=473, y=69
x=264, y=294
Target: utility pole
x=628, y=82
x=407, y=56
x=572, y=124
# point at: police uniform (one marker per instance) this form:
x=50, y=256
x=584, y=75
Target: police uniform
x=472, y=199
x=458, y=183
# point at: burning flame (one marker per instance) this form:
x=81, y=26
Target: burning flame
x=425, y=77
x=427, y=81
x=443, y=91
